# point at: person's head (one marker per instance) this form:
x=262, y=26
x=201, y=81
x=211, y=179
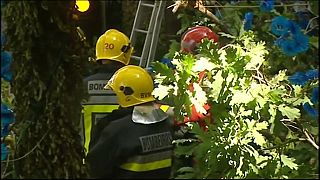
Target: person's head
x=113, y=45
x=193, y=36
x=133, y=85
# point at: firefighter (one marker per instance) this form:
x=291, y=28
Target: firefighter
x=193, y=36
x=189, y=43
x=135, y=140
x=113, y=51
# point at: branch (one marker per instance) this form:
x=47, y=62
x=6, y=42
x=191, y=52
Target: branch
x=4, y=171
x=309, y=22
x=37, y=145
x=258, y=78
x=311, y=29
x=310, y=140
x=258, y=6
x=176, y=6
x=282, y=145
x=203, y=9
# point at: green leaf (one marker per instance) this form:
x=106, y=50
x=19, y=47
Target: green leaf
x=203, y=64
x=240, y=97
x=289, y=162
x=239, y=172
x=227, y=35
x=185, y=176
x=273, y=112
x=275, y=95
x=185, y=169
x=281, y=76
x=314, y=41
x=216, y=85
x=261, y=126
x=258, y=138
x=314, y=7
x=256, y=54
x=161, y=91
x=185, y=150
x=291, y=113
x=163, y=70
x=174, y=47
x=196, y=129
x=297, y=101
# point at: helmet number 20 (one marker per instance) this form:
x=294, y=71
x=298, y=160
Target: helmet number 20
x=108, y=45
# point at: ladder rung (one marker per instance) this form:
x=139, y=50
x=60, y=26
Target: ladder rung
x=147, y=4
x=140, y=30
x=135, y=57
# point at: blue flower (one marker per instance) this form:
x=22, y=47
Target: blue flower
x=293, y=45
x=279, y=42
x=149, y=69
x=310, y=110
x=280, y=25
x=313, y=74
x=299, y=78
x=289, y=47
x=4, y=129
x=294, y=27
x=292, y=41
x=6, y=60
x=315, y=95
x=7, y=115
x=167, y=62
x=266, y=5
x=301, y=42
x=4, y=150
x=248, y=17
x=5, y=109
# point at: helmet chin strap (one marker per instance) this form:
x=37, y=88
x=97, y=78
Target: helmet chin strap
x=104, y=61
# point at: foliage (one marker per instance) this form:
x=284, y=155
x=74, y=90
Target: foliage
x=49, y=56
x=232, y=18
x=7, y=115
x=6, y=95
x=260, y=128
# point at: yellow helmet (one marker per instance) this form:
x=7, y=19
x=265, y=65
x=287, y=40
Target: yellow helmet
x=132, y=84
x=114, y=45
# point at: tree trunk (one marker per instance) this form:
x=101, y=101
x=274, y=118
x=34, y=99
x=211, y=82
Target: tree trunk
x=48, y=61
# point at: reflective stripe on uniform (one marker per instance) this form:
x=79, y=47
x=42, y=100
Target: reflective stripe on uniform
x=88, y=110
x=147, y=166
x=148, y=162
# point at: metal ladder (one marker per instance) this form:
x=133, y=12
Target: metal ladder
x=152, y=33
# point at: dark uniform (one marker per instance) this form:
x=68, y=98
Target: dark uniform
x=100, y=101
x=125, y=149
